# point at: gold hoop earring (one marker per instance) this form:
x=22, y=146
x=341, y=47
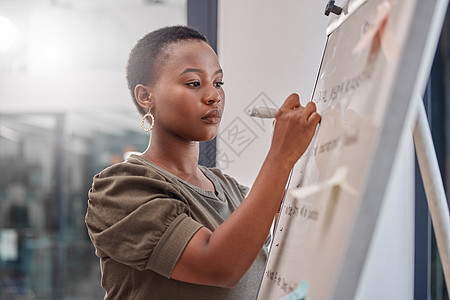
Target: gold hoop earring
x=143, y=120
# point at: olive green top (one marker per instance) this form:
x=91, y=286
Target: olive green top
x=140, y=218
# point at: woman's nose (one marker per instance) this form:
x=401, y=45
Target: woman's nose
x=213, y=96
x=212, y=100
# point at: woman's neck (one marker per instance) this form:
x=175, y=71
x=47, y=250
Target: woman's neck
x=177, y=157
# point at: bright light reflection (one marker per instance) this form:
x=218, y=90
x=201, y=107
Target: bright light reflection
x=7, y=33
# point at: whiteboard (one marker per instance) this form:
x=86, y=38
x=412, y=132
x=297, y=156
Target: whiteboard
x=377, y=57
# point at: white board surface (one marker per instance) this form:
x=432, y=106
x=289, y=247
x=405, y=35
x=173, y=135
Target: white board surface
x=372, y=65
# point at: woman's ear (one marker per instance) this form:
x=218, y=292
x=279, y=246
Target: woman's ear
x=143, y=96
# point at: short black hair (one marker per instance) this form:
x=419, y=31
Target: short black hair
x=147, y=53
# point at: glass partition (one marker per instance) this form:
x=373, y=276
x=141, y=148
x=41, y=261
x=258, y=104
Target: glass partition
x=65, y=114
x=47, y=165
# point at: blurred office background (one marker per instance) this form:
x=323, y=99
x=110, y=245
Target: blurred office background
x=65, y=114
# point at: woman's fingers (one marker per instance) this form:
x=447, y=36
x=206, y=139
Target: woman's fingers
x=311, y=113
x=310, y=108
x=291, y=102
x=292, y=105
x=314, y=119
x=294, y=129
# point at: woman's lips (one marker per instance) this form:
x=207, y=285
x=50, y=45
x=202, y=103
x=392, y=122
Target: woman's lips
x=213, y=116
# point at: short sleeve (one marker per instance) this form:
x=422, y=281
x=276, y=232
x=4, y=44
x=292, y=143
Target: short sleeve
x=139, y=222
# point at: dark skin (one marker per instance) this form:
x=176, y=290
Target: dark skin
x=188, y=90
x=187, y=102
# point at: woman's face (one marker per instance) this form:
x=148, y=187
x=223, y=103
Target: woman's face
x=188, y=98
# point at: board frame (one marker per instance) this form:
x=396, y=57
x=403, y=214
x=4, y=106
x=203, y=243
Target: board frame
x=401, y=111
x=410, y=82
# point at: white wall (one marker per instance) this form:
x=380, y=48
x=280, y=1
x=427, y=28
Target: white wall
x=269, y=49
x=389, y=269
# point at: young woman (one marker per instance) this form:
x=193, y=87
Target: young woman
x=165, y=227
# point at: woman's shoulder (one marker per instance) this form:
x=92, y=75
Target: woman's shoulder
x=134, y=165
x=135, y=173
x=134, y=177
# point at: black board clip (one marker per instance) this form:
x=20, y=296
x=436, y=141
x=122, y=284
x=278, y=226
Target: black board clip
x=332, y=8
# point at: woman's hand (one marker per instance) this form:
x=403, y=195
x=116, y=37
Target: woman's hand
x=295, y=126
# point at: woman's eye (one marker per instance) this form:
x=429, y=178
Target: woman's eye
x=218, y=84
x=193, y=84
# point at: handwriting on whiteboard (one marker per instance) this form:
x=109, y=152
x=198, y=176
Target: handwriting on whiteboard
x=345, y=87
x=304, y=211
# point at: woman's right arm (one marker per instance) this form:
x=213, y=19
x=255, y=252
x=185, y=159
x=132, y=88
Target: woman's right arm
x=222, y=257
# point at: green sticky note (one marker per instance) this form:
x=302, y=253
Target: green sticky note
x=299, y=293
